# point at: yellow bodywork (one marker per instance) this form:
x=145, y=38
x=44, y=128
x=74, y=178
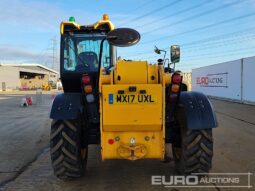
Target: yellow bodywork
x=132, y=106
x=132, y=111
x=133, y=122
x=150, y=144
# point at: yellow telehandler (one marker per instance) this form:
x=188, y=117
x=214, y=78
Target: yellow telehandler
x=131, y=108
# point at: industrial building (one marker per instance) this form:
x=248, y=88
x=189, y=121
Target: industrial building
x=26, y=76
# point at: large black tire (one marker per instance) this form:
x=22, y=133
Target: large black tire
x=194, y=152
x=68, y=156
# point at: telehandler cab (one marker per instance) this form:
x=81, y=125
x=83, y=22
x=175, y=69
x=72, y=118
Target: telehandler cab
x=131, y=108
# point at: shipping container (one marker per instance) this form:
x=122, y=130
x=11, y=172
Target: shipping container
x=234, y=80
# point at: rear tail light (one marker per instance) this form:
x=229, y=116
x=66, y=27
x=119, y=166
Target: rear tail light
x=85, y=79
x=176, y=78
x=88, y=89
x=175, y=88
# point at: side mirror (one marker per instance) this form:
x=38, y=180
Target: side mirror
x=156, y=50
x=175, y=53
x=123, y=37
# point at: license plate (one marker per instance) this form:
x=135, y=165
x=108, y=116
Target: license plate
x=131, y=99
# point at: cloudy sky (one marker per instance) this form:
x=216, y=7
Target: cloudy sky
x=209, y=31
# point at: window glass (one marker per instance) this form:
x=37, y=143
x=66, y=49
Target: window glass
x=81, y=53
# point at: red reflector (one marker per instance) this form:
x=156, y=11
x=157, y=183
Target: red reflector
x=173, y=97
x=110, y=141
x=85, y=79
x=176, y=79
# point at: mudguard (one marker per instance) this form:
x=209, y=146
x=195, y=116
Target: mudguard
x=197, y=111
x=66, y=106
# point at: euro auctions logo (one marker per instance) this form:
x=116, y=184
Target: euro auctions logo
x=175, y=180
x=202, y=80
x=204, y=180
x=213, y=80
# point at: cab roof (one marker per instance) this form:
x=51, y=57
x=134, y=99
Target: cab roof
x=104, y=25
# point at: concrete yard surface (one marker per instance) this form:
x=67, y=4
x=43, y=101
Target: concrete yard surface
x=25, y=159
x=24, y=132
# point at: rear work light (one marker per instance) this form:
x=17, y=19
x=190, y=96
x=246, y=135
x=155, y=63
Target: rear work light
x=85, y=79
x=176, y=78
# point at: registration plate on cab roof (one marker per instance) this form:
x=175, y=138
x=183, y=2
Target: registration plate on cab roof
x=131, y=99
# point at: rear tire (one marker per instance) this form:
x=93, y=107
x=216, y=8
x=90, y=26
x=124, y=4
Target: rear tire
x=68, y=156
x=194, y=152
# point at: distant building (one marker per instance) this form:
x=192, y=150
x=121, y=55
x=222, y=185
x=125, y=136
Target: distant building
x=25, y=76
x=187, y=79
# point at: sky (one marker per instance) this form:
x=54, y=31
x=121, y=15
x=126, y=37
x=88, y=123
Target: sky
x=208, y=31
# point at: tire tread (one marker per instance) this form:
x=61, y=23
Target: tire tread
x=65, y=149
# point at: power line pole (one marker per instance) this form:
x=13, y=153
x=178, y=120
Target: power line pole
x=54, y=49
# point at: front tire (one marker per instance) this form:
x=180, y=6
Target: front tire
x=68, y=156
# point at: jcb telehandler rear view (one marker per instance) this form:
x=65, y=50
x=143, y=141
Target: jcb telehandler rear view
x=131, y=108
